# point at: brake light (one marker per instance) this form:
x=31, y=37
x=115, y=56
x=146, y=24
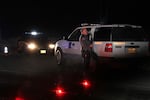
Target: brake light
x=108, y=47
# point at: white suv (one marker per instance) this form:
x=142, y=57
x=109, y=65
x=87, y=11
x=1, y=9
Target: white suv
x=110, y=41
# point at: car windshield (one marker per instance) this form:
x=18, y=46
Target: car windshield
x=129, y=34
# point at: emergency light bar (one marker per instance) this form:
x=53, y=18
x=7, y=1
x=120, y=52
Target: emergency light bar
x=113, y=25
x=87, y=24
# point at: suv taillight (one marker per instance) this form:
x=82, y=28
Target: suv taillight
x=108, y=47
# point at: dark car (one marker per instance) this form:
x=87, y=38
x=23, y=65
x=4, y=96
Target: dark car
x=39, y=44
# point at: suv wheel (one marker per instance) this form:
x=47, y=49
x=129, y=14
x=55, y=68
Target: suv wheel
x=59, y=57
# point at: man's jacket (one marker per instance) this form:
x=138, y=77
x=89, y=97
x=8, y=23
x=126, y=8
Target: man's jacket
x=86, y=41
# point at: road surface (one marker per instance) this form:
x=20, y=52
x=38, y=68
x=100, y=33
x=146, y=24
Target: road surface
x=34, y=77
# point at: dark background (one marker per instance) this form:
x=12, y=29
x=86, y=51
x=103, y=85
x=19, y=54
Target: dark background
x=59, y=17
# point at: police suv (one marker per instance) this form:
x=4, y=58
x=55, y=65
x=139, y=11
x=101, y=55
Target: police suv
x=116, y=41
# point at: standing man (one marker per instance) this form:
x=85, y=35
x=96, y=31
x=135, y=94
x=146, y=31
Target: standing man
x=87, y=47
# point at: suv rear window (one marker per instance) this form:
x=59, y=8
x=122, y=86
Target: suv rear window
x=128, y=34
x=102, y=34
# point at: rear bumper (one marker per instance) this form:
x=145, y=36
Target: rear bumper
x=37, y=51
x=124, y=60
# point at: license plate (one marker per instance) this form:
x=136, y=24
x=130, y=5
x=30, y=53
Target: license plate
x=42, y=51
x=131, y=50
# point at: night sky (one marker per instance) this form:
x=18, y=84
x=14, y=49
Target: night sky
x=61, y=17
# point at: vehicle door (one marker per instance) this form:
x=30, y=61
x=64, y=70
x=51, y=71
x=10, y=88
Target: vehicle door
x=74, y=46
x=102, y=42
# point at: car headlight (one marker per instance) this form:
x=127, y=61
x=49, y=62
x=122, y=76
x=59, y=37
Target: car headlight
x=5, y=50
x=51, y=46
x=32, y=46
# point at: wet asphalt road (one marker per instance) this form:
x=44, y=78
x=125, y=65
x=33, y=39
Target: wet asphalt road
x=35, y=77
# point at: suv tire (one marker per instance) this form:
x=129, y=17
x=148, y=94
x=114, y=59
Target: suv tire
x=59, y=57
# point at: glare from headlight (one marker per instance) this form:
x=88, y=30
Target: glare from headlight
x=51, y=46
x=34, y=33
x=32, y=46
x=5, y=49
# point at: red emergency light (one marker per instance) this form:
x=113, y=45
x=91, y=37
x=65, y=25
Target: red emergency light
x=86, y=84
x=59, y=91
x=19, y=98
